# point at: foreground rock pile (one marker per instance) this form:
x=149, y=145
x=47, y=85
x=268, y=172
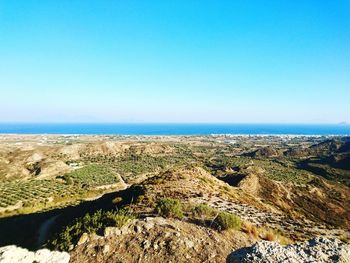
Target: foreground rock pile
x=157, y=239
x=14, y=254
x=319, y=250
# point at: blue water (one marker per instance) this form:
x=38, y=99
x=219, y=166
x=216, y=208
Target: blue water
x=174, y=129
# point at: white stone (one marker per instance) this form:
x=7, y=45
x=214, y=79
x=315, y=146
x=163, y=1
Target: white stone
x=14, y=254
x=319, y=250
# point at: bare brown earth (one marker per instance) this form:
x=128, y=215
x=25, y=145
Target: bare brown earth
x=160, y=240
x=271, y=183
x=268, y=205
x=16, y=158
x=156, y=239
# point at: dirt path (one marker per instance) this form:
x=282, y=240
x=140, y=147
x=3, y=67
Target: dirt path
x=121, y=185
x=122, y=182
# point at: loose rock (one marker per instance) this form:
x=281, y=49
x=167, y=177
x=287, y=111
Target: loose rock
x=14, y=254
x=319, y=250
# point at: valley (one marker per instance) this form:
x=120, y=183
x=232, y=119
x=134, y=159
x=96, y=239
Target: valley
x=86, y=193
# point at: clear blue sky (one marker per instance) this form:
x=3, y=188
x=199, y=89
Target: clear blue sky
x=175, y=61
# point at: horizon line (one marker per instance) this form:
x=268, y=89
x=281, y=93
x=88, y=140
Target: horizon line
x=175, y=123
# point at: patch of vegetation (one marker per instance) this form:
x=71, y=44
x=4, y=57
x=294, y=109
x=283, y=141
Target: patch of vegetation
x=250, y=229
x=270, y=234
x=94, y=223
x=203, y=211
x=225, y=220
x=31, y=194
x=132, y=164
x=287, y=172
x=322, y=168
x=33, y=191
x=92, y=175
x=283, y=170
x=169, y=208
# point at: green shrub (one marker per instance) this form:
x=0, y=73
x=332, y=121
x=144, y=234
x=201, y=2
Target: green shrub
x=117, y=200
x=140, y=198
x=119, y=219
x=203, y=210
x=96, y=222
x=169, y=208
x=226, y=220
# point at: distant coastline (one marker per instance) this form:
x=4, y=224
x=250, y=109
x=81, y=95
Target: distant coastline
x=175, y=129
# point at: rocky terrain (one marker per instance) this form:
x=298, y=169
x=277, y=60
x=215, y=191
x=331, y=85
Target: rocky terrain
x=175, y=199
x=156, y=239
x=12, y=254
x=320, y=250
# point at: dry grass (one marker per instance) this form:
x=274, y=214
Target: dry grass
x=250, y=229
x=269, y=236
x=273, y=235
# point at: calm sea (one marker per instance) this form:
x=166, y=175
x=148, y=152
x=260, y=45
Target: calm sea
x=175, y=129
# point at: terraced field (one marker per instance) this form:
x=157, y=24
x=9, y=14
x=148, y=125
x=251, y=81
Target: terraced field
x=35, y=192
x=92, y=175
x=32, y=190
x=131, y=166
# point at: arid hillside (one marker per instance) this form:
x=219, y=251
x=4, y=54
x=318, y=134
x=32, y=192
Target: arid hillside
x=184, y=199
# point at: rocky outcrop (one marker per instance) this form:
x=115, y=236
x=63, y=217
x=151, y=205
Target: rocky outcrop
x=33, y=167
x=319, y=250
x=33, y=164
x=158, y=239
x=14, y=254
